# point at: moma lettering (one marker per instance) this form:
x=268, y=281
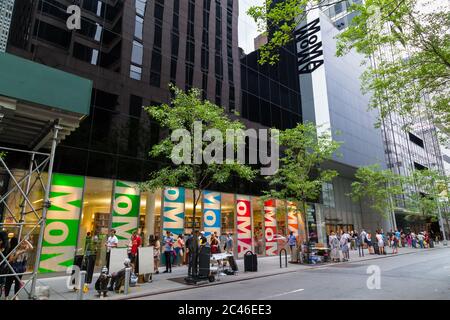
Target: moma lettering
x=173, y=212
x=61, y=226
x=244, y=231
x=211, y=212
x=270, y=227
x=309, y=48
x=125, y=212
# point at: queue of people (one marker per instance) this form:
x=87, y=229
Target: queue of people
x=178, y=249
x=379, y=242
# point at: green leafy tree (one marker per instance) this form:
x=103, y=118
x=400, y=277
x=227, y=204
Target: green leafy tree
x=377, y=186
x=184, y=111
x=416, y=70
x=426, y=188
x=301, y=176
x=277, y=20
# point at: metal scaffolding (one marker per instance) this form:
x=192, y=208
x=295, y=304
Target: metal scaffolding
x=30, y=215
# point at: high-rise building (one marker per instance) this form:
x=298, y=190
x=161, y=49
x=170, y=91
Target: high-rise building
x=6, y=9
x=131, y=50
x=331, y=98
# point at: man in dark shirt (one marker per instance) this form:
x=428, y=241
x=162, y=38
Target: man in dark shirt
x=190, y=252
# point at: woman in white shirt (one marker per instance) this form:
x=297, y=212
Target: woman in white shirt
x=380, y=242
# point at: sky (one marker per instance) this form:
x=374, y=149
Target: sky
x=247, y=26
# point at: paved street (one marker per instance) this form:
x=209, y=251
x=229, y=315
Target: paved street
x=421, y=275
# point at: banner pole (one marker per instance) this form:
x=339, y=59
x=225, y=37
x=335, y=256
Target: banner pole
x=44, y=210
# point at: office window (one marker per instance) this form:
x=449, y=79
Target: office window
x=157, y=40
x=52, y=34
x=137, y=52
x=140, y=7
x=218, y=92
x=135, y=72
x=415, y=139
x=204, y=85
x=328, y=195
x=159, y=11
x=175, y=40
x=189, y=76
x=139, y=24
x=173, y=70
x=85, y=53
x=156, y=61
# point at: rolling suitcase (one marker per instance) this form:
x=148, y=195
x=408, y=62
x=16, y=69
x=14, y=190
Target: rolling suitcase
x=250, y=262
x=204, y=258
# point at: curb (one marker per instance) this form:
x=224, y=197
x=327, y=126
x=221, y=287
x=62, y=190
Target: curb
x=140, y=295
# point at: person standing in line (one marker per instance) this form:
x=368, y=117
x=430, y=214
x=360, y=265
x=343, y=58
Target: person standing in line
x=179, y=250
x=359, y=244
x=352, y=240
x=135, y=244
x=229, y=244
x=369, y=243
x=420, y=237
x=345, y=238
x=413, y=240
x=168, y=251
x=4, y=249
x=334, y=245
x=111, y=242
x=156, y=252
x=189, y=245
x=395, y=243
x=214, y=242
x=379, y=239
x=427, y=239
x=292, y=241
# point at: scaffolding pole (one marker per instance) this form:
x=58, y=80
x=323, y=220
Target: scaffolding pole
x=34, y=168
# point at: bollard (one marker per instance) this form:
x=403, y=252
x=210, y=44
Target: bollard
x=81, y=285
x=285, y=257
x=127, y=280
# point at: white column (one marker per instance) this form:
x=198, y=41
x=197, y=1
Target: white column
x=149, y=215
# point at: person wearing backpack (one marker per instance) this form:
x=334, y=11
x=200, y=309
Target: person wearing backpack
x=344, y=246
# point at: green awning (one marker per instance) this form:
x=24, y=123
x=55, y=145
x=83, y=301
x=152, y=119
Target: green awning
x=34, y=97
x=32, y=82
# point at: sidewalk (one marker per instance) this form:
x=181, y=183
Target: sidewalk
x=162, y=283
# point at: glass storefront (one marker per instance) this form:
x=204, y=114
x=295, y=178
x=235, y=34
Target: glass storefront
x=282, y=231
x=258, y=226
x=189, y=212
x=95, y=218
x=100, y=200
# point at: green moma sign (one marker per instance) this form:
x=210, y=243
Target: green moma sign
x=125, y=213
x=62, y=224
